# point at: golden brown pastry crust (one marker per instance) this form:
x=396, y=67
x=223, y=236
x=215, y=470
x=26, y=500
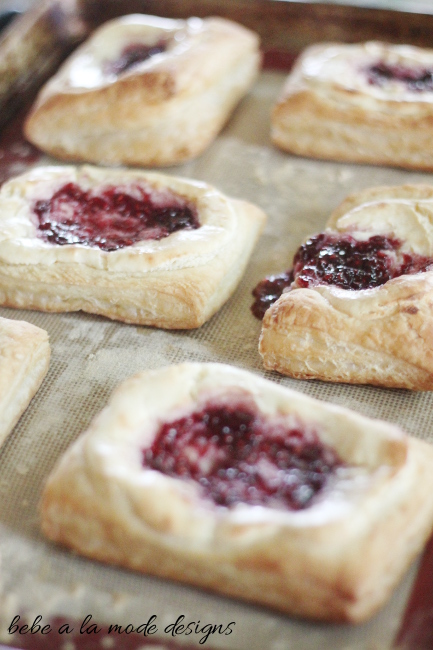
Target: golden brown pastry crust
x=24, y=361
x=336, y=560
x=179, y=281
x=381, y=336
x=328, y=109
x=164, y=111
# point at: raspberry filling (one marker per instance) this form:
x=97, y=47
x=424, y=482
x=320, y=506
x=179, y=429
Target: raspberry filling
x=343, y=261
x=134, y=54
x=415, y=79
x=237, y=455
x=268, y=291
x=112, y=218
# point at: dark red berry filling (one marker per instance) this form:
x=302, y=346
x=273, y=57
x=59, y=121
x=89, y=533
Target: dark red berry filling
x=133, y=55
x=112, y=218
x=346, y=262
x=237, y=455
x=269, y=290
x=416, y=79
x=343, y=261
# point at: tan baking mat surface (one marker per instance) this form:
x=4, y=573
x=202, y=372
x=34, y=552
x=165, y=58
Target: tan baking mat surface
x=91, y=355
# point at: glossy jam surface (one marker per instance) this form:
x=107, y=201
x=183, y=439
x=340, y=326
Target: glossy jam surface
x=269, y=290
x=415, y=79
x=112, y=218
x=343, y=261
x=238, y=455
x=346, y=262
x=133, y=55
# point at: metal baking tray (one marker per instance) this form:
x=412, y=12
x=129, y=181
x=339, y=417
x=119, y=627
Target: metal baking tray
x=91, y=355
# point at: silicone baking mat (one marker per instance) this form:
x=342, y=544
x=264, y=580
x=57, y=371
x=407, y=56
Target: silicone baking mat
x=91, y=355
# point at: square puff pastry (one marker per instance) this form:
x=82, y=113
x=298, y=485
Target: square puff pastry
x=381, y=335
x=369, y=102
x=178, y=281
x=162, y=111
x=24, y=361
x=337, y=559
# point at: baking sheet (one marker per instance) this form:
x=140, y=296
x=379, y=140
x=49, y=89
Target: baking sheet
x=91, y=355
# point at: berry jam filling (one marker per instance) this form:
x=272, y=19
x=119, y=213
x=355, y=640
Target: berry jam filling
x=237, y=455
x=269, y=290
x=133, y=55
x=111, y=219
x=343, y=261
x=415, y=79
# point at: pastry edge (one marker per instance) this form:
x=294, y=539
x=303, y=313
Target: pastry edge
x=26, y=371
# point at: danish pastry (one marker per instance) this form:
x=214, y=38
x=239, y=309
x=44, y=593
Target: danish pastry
x=137, y=247
x=24, y=361
x=207, y=474
x=145, y=91
x=357, y=305
x=369, y=102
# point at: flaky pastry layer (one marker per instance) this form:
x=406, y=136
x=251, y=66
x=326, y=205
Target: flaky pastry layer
x=381, y=336
x=162, y=111
x=179, y=281
x=338, y=559
x=24, y=361
x=330, y=109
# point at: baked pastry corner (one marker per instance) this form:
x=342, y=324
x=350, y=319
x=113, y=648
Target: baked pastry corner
x=24, y=361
